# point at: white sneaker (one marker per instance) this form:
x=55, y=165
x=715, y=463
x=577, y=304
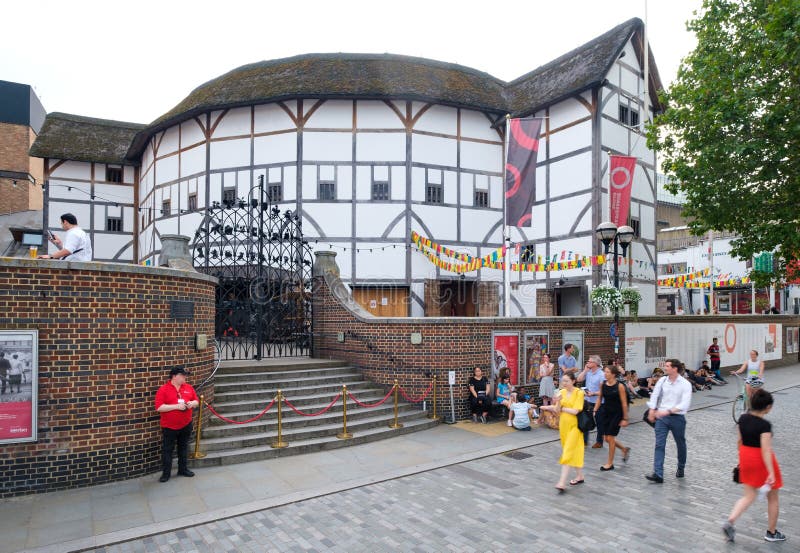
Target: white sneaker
x=509, y=423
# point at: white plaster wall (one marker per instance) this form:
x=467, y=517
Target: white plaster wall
x=235, y=123
x=441, y=221
x=566, y=112
x=381, y=262
x=373, y=146
x=525, y=296
x=230, y=153
x=433, y=150
x=478, y=156
x=333, y=114
x=450, y=187
x=475, y=124
x=107, y=246
x=72, y=170
x=169, y=143
x=398, y=183
x=271, y=118
x=564, y=213
x=438, y=119
x=327, y=146
x=275, y=148
x=191, y=133
x=374, y=114
x=568, y=175
x=570, y=139
x=193, y=161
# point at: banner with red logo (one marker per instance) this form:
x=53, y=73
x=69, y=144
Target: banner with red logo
x=19, y=377
x=505, y=355
x=523, y=147
x=620, y=185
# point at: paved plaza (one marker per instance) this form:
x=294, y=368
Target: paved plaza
x=486, y=500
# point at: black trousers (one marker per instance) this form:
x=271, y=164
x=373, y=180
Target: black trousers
x=170, y=438
x=479, y=405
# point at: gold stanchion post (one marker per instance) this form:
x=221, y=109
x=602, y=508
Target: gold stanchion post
x=279, y=443
x=197, y=454
x=434, y=416
x=395, y=424
x=344, y=434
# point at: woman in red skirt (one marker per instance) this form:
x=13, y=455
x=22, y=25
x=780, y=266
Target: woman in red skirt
x=758, y=467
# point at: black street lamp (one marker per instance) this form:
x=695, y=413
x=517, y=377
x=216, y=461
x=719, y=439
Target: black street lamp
x=607, y=233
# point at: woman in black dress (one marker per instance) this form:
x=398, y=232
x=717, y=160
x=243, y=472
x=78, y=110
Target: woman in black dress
x=614, y=414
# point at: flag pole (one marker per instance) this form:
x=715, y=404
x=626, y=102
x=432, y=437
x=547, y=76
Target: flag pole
x=506, y=236
x=711, y=271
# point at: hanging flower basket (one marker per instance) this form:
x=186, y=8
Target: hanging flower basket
x=632, y=297
x=608, y=298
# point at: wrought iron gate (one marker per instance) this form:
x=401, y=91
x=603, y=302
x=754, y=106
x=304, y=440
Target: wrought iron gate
x=264, y=268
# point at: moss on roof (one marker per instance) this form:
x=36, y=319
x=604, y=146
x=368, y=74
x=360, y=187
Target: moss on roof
x=349, y=76
x=77, y=138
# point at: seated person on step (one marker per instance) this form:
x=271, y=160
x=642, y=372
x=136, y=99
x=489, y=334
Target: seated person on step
x=479, y=401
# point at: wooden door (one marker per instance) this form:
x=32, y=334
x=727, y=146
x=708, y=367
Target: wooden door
x=383, y=301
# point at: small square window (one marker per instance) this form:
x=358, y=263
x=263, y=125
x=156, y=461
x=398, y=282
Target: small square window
x=636, y=226
x=433, y=193
x=628, y=116
x=166, y=207
x=380, y=190
x=192, y=205
x=481, y=198
x=114, y=224
x=327, y=191
x=113, y=174
x=275, y=192
x=229, y=196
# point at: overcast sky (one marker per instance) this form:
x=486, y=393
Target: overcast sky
x=134, y=61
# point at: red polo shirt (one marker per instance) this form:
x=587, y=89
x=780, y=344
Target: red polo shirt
x=167, y=394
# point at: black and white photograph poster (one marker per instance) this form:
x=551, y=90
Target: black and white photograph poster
x=19, y=375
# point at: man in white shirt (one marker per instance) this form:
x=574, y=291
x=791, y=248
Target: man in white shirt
x=668, y=405
x=76, y=245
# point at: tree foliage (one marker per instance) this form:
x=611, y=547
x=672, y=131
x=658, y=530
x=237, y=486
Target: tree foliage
x=729, y=138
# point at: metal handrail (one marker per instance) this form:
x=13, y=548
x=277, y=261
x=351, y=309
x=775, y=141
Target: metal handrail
x=218, y=355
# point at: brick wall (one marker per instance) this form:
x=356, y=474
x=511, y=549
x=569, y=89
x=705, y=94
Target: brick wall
x=15, y=141
x=106, y=342
x=382, y=347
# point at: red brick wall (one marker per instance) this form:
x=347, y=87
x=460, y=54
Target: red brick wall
x=15, y=140
x=381, y=347
x=106, y=343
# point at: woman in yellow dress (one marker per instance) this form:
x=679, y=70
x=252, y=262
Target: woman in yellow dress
x=569, y=402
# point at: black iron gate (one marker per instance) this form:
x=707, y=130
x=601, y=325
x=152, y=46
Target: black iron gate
x=264, y=269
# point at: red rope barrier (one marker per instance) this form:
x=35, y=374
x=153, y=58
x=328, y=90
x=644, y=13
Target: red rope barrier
x=226, y=419
x=368, y=405
x=325, y=410
x=413, y=400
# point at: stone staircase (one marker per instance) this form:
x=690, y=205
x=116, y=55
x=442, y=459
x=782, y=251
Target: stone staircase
x=242, y=389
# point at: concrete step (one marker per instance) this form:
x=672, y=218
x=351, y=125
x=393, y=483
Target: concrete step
x=245, y=383
x=281, y=375
x=276, y=364
x=292, y=421
x=265, y=395
x=231, y=405
x=307, y=445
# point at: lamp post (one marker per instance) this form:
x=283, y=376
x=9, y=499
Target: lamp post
x=621, y=237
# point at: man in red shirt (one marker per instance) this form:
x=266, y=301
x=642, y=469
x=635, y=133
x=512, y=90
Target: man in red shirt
x=713, y=354
x=175, y=401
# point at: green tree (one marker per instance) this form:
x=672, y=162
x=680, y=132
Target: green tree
x=729, y=138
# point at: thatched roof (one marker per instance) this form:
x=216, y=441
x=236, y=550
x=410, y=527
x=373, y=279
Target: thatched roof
x=72, y=137
x=378, y=76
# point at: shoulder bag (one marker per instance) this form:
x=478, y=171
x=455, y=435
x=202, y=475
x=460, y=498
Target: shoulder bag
x=658, y=404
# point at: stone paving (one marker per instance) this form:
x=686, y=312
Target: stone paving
x=501, y=504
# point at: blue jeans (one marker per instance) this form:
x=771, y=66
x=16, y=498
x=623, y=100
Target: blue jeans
x=677, y=425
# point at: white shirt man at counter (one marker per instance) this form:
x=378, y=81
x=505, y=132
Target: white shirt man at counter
x=76, y=245
x=667, y=408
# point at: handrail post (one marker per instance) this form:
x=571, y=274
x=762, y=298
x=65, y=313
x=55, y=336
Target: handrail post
x=344, y=434
x=434, y=416
x=396, y=424
x=197, y=454
x=279, y=443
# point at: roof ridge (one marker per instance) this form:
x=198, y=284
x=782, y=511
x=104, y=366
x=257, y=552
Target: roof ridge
x=95, y=120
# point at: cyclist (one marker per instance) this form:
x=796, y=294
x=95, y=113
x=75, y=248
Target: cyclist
x=755, y=373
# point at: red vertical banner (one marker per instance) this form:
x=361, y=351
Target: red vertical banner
x=505, y=354
x=620, y=185
x=523, y=148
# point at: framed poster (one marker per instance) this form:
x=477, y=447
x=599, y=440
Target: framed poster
x=536, y=344
x=790, y=345
x=574, y=337
x=19, y=378
x=505, y=353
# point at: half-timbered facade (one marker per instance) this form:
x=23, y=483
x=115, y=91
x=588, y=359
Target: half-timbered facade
x=367, y=149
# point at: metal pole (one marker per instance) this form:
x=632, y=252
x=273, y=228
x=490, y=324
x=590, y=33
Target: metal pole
x=260, y=270
x=616, y=285
x=279, y=443
x=434, y=417
x=452, y=407
x=344, y=434
x=396, y=424
x=506, y=237
x=197, y=454
x=711, y=266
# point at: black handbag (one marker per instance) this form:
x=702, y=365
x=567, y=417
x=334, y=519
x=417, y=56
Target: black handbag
x=658, y=404
x=585, y=419
x=736, y=474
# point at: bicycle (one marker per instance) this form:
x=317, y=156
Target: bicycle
x=741, y=403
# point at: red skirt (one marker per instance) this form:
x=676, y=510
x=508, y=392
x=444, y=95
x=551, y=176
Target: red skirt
x=752, y=470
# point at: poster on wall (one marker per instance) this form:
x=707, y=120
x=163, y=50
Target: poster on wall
x=536, y=344
x=574, y=337
x=649, y=345
x=790, y=344
x=19, y=375
x=505, y=354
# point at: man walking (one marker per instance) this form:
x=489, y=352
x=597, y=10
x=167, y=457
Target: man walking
x=566, y=362
x=713, y=354
x=175, y=401
x=5, y=367
x=593, y=378
x=667, y=407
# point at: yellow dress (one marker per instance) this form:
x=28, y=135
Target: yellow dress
x=572, y=447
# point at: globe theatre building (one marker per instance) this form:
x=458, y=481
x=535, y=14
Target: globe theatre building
x=367, y=149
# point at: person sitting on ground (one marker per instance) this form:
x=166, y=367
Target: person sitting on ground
x=478, y=395
x=521, y=414
x=502, y=395
x=631, y=382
